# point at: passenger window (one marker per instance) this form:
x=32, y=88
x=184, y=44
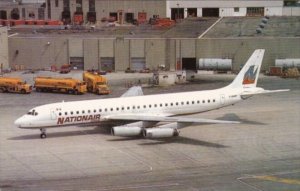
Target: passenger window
x=122, y=108
x=171, y=104
x=176, y=103
x=128, y=108
x=35, y=113
x=182, y=103
x=66, y=113
x=149, y=106
x=198, y=101
x=160, y=105
x=59, y=113
x=89, y=111
x=100, y=110
x=95, y=111
x=77, y=112
x=208, y=101
x=155, y=105
x=166, y=104
x=105, y=109
x=71, y=112
x=193, y=102
x=111, y=109
x=83, y=111
x=117, y=109
x=138, y=107
x=133, y=107
x=187, y=103
x=214, y=100
x=144, y=106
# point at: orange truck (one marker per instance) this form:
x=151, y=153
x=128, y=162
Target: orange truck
x=96, y=83
x=63, y=85
x=14, y=85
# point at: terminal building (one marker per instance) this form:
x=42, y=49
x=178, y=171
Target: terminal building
x=181, y=47
x=210, y=29
x=142, y=10
x=129, y=10
x=16, y=10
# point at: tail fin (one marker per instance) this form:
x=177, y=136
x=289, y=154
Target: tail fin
x=247, y=77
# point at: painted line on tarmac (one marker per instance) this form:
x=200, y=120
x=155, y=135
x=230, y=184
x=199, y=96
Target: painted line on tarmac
x=139, y=186
x=280, y=180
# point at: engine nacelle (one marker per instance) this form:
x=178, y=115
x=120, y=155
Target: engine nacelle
x=126, y=131
x=160, y=132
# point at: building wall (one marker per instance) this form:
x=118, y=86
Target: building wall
x=137, y=48
x=151, y=7
x=4, y=48
x=273, y=11
x=228, y=12
x=226, y=8
x=39, y=53
x=122, y=54
x=222, y=3
x=91, y=53
x=75, y=47
x=28, y=8
x=155, y=51
x=104, y=7
x=107, y=47
x=291, y=11
x=55, y=11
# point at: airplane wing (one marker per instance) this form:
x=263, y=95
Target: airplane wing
x=159, y=118
x=133, y=91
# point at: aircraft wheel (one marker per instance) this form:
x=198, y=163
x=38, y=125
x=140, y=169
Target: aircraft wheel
x=43, y=135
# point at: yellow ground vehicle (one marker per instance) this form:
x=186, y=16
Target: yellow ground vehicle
x=95, y=83
x=65, y=85
x=15, y=85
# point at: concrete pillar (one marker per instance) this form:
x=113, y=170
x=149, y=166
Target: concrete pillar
x=4, y=64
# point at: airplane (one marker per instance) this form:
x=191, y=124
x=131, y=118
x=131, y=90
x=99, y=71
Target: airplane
x=137, y=114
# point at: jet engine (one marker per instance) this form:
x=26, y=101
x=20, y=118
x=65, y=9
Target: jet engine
x=160, y=132
x=126, y=131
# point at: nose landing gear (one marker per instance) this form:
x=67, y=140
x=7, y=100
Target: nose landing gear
x=43, y=133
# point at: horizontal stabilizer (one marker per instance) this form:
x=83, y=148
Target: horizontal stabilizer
x=157, y=118
x=257, y=91
x=133, y=91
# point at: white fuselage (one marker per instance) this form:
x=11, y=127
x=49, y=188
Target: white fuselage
x=92, y=111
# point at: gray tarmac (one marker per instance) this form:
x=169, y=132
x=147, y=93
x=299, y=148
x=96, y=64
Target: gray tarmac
x=262, y=153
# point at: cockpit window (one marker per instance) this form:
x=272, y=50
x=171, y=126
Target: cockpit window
x=32, y=112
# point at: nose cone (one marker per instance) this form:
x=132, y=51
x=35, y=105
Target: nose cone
x=20, y=122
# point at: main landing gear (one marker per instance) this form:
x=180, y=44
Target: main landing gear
x=43, y=133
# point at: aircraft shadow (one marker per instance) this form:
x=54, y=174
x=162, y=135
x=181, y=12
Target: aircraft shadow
x=78, y=132
x=234, y=117
x=178, y=140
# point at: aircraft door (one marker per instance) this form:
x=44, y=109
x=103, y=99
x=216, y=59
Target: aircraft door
x=222, y=97
x=53, y=114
